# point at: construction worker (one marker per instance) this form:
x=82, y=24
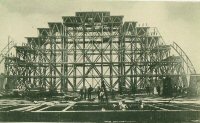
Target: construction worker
x=89, y=92
x=84, y=92
x=148, y=91
x=175, y=89
x=158, y=90
x=184, y=90
x=81, y=93
x=180, y=90
x=122, y=105
x=98, y=92
x=103, y=87
x=112, y=93
x=102, y=95
x=141, y=105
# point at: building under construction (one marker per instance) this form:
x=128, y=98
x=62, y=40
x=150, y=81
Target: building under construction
x=92, y=48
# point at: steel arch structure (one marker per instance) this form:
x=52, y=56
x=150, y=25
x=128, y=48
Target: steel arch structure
x=92, y=47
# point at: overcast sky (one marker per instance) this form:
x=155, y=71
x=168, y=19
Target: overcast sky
x=177, y=21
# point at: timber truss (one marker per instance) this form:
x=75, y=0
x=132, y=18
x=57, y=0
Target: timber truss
x=92, y=47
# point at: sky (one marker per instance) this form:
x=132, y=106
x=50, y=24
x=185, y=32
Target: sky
x=177, y=21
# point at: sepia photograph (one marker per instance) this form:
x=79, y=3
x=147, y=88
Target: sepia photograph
x=110, y=61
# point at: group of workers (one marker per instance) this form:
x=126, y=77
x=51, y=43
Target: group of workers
x=176, y=90
x=180, y=90
x=87, y=93
x=149, y=90
x=84, y=92
x=100, y=91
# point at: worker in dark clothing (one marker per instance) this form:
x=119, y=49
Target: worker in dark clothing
x=104, y=90
x=102, y=94
x=184, y=90
x=180, y=90
x=112, y=93
x=81, y=93
x=84, y=92
x=98, y=92
x=89, y=92
x=158, y=90
x=175, y=89
x=148, y=90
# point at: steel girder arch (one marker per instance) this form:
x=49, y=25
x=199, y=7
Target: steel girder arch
x=171, y=67
x=188, y=69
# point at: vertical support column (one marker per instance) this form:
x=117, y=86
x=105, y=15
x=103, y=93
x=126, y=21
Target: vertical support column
x=119, y=63
x=84, y=52
x=132, y=65
x=26, y=82
x=26, y=76
x=66, y=58
x=145, y=60
x=111, y=61
x=141, y=68
x=24, y=70
x=34, y=68
x=135, y=52
x=151, y=61
x=74, y=64
x=51, y=69
x=62, y=60
x=40, y=60
x=29, y=74
x=44, y=85
x=54, y=63
x=121, y=60
x=101, y=49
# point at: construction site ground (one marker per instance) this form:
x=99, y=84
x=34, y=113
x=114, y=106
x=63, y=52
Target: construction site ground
x=140, y=108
